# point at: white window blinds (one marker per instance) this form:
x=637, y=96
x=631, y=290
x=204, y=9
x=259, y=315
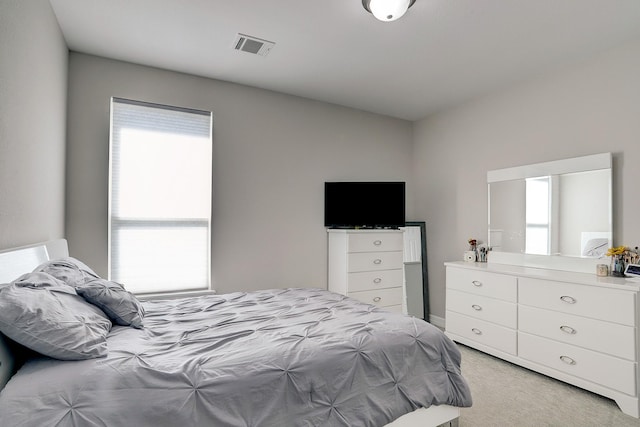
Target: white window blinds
x=160, y=197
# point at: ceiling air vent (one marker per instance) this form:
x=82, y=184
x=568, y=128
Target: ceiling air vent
x=252, y=44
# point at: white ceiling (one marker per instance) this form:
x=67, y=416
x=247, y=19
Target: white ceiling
x=440, y=53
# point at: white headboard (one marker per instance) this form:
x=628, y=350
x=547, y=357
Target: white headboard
x=14, y=263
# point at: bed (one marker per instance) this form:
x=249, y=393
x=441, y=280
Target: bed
x=280, y=357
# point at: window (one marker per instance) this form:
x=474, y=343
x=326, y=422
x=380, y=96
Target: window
x=159, y=197
x=538, y=191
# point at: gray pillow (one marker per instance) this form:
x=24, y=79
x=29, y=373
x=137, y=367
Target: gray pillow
x=69, y=270
x=43, y=314
x=119, y=304
x=122, y=307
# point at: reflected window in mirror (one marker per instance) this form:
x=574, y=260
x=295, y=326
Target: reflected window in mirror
x=537, y=215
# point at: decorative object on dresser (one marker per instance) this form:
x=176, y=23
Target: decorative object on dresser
x=602, y=270
x=621, y=256
x=368, y=265
x=477, y=251
x=471, y=255
x=632, y=270
x=575, y=327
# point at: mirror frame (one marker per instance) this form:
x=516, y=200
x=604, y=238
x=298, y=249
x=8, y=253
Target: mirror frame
x=572, y=165
x=424, y=270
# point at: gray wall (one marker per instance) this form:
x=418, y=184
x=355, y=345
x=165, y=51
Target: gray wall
x=272, y=155
x=33, y=90
x=592, y=107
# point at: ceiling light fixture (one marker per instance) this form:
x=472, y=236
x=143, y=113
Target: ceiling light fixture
x=387, y=10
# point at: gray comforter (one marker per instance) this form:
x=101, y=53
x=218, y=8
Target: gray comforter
x=295, y=357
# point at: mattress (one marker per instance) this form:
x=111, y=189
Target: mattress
x=292, y=357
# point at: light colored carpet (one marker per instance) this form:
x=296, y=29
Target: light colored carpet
x=506, y=395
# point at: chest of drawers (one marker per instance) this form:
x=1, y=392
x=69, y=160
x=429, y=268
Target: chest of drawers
x=571, y=326
x=367, y=265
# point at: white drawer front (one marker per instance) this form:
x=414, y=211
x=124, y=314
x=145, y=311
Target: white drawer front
x=394, y=308
x=490, y=309
x=380, y=297
x=608, y=304
x=483, y=283
x=375, y=242
x=599, y=368
x=369, y=280
x=610, y=338
x=498, y=337
x=372, y=261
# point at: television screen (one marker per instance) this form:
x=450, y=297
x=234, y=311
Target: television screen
x=364, y=204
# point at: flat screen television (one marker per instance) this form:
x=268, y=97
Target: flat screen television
x=364, y=204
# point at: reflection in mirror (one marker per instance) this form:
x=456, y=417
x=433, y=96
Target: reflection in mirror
x=555, y=208
x=538, y=230
x=415, y=269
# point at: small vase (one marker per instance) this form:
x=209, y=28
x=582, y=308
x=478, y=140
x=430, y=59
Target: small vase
x=617, y=266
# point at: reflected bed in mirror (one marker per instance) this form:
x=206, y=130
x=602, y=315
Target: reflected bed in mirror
x=560, y=209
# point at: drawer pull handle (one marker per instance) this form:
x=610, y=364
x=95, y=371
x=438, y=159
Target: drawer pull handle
x=476, y=307
x=377, y=280
x=377, y=242
x=568, y=329
x=568, y=299
x=477, y=283
x=476, y=331
x=377, y=299
x=377, y=261
x=567, y=360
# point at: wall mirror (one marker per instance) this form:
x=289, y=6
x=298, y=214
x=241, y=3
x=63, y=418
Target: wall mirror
x=562, y=208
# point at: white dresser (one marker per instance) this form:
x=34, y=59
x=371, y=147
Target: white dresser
x=576, y=327
x=367, y=265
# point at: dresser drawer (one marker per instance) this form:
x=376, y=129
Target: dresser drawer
x=599, y=368
x=380, y=297
x=608, y=304
x=369, y=280
x=492, y=285
x=393, y=308
x=375, y=242
x=604, y=337
x=490, y=334
x=490, y=309
x=372, y=261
